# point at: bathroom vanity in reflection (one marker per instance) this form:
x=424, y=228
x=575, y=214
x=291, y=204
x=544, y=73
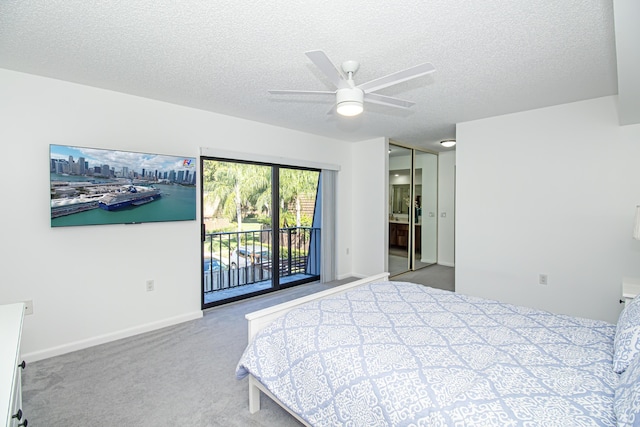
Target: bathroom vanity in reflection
x=399, y=234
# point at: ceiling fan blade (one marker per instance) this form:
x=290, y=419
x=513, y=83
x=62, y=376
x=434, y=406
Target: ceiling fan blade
x=322, y=61
x=397, y=77
x=389, y=101
x=301, y=92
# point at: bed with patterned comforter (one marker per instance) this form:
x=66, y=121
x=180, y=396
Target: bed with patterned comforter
x=402, y=354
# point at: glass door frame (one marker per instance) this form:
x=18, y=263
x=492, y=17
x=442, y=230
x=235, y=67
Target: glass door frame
x=275, y=231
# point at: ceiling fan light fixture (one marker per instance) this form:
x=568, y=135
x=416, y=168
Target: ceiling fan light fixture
x=448, y=143
x=349, y=101
x=349, y=96
x=350, y=108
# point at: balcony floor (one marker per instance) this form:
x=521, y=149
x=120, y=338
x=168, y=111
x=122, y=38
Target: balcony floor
x=236, y=291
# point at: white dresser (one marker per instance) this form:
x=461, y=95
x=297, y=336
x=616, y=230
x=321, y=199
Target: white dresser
x=11, y=365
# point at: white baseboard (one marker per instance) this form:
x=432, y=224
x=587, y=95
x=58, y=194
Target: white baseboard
x=447, y=264
x=356, y=275
x=348, y=275
x=102, y=339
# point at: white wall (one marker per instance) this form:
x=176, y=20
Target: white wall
x=446, y=205
x=88, y=283
x=369, y=201
x=549, y=191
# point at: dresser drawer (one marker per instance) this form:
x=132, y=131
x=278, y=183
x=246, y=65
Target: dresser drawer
x=17, y=416
x=10, y=364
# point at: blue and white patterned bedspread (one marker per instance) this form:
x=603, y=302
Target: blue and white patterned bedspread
x=401, y=354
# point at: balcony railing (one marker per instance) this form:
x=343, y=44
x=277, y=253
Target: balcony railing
x=240, y=258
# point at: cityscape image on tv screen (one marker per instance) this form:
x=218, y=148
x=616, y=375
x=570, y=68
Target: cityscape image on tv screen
x=92, y=186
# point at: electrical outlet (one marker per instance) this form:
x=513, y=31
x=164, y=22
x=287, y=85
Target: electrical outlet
x=150, y=285
x=28, y=307
x=543, y=279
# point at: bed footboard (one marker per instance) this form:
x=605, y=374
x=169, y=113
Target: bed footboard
x=261, y=318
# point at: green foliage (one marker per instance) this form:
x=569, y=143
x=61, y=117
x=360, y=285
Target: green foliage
x=233, y=188
x=239, y=191
x=288, y=219
x=306, y=221
x=265, y=220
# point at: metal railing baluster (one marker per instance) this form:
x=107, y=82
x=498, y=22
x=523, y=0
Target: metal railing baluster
x=235, y=270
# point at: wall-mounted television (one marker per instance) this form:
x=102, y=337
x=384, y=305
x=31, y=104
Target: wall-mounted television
x=93, y=186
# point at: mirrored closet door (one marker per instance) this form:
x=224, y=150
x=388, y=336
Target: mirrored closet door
x=413, y=197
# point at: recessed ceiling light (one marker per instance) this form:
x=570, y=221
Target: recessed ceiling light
x=448, y=143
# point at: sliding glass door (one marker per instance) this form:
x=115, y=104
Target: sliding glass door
x=258, y=232
x=413, y=197
x=298, y=237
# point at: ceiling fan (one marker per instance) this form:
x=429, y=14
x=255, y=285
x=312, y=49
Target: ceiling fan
x=349, y=96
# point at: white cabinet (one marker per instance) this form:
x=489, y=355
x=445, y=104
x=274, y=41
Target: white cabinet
x=10, y=365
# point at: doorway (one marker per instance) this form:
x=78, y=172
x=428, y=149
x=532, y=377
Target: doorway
x=412, y=218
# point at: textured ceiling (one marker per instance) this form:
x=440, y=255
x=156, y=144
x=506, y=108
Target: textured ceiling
x=491, y=57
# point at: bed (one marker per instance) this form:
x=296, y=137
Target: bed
x=385, y=353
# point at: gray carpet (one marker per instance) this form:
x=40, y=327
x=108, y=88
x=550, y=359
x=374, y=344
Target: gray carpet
x=180, y=375
x=398, y=262
x=436, y=276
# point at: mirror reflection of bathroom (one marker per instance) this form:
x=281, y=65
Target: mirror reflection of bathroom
x=412, y=235
x=400, y=199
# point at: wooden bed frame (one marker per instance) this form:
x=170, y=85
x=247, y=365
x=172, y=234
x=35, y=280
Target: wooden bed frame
x=258, y=320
